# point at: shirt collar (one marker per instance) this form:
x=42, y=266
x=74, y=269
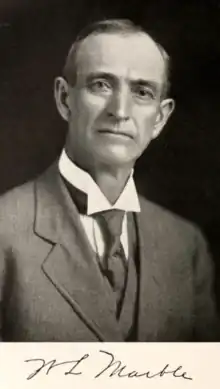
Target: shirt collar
x=97, y=202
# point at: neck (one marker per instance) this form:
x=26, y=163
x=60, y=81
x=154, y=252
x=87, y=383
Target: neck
x=111, y=181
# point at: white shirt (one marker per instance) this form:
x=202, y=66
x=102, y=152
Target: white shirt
x=97, y=202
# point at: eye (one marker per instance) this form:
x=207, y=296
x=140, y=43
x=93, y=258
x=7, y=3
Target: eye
x=143, y=92
x=100, y=86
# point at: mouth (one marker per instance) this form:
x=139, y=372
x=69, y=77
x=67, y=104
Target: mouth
x=117, y=134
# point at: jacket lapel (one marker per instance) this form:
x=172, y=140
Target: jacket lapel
x=71, y=265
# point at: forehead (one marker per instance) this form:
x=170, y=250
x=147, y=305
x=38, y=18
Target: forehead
x=125, y=55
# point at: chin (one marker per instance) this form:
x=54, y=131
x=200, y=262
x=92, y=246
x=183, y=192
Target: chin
x=119, y=159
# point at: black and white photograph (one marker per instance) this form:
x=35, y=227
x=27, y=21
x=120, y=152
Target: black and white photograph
x=109, y=171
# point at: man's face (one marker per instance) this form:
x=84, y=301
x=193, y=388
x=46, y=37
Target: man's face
x=116, y=100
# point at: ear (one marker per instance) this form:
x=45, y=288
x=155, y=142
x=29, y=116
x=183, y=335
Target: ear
x=61, y=94
x=166, y=108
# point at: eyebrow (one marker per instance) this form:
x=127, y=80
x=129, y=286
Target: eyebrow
x=154, y=85
x=149, y=84
x=106, y=75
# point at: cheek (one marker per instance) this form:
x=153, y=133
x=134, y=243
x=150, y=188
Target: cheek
x=90, y=108
x=145, y=118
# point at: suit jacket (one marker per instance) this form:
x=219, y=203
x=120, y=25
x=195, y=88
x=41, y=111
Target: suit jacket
x=52, y=290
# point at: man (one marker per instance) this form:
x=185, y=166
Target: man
x=83, y=257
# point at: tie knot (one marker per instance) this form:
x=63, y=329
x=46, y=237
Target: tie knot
x=112, y=219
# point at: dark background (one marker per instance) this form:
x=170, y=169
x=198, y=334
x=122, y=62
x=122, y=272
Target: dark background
x=181, y=169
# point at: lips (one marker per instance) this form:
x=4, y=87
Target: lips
x=116, y=133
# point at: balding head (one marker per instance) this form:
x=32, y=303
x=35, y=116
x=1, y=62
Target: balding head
x=112, y=26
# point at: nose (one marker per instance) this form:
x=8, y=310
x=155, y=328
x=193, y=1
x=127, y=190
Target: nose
x=119, y=105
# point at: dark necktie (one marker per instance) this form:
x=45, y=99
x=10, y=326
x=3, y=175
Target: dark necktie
x=114, y=263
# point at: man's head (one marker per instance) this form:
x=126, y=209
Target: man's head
x=113, y=94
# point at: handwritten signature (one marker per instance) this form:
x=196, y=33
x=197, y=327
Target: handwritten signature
x=112, y=367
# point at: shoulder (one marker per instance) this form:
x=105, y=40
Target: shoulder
x=18, y=199
x=17, y=196
x=17, y=207
x=169, y=224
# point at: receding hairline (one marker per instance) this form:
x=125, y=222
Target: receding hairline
x=120, y=27
x=123, y=34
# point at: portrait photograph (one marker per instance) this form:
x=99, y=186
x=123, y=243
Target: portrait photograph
x=109, y=171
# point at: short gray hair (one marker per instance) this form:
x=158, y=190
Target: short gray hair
x=121, y=26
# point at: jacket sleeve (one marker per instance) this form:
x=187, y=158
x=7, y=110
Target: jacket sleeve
x=206, y=320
